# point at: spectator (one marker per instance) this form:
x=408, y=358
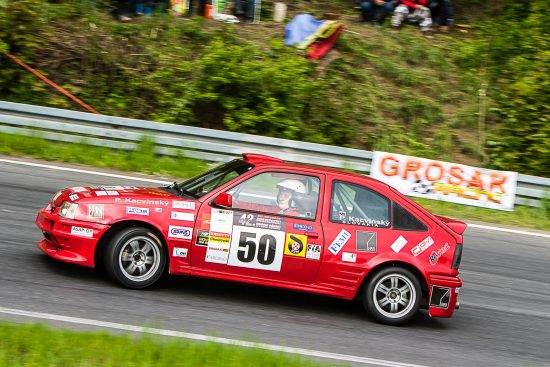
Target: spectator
x=414, y=11
x=122, y=9
x=144, y=7
x=442, y=13
x=375, y=11
x=239, y=11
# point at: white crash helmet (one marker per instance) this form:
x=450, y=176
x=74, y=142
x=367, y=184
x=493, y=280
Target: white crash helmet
x=294, y=185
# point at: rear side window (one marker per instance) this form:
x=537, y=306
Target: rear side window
x=404, y=220
x=358, y=205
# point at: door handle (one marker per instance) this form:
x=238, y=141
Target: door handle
x=312, y=234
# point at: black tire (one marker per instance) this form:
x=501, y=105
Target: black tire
x=392, y=295
x=135, y=257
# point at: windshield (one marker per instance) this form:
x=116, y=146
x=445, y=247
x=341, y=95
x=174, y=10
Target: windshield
x=201, y=185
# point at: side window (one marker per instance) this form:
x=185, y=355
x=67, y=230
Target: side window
x=404, y=220
x=358, y=205
x=278, y=193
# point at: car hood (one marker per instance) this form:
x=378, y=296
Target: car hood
x=74, y=194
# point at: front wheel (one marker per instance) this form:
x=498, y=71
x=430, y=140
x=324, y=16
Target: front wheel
x=392, y=295
x=135, y=258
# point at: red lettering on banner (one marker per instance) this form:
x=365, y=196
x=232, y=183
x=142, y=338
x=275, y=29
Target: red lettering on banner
x=439, y=166
x=412, y=166
x=394, y=167
x=475, y=181
x=497, y=180
x=456, y=175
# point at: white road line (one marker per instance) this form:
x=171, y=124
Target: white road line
x=84, y=171
x=200, y=337
x=508, y=230
x=166, y=183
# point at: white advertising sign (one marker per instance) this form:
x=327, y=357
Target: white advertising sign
x=438, y=180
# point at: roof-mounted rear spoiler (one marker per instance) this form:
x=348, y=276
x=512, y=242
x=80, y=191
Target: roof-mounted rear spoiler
x=455, y=225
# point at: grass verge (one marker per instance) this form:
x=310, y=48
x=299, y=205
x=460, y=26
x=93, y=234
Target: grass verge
x=145, y=160
x=37, y=345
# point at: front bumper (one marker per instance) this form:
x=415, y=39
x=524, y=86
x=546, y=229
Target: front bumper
x=443, y=295
x=61, y=242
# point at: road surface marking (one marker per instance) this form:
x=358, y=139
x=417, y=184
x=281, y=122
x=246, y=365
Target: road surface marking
x=200, y=337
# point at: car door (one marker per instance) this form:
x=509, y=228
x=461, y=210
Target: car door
x=258, y=238
x=356, y=221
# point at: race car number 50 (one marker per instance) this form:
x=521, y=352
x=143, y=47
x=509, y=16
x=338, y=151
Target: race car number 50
x=256, y=248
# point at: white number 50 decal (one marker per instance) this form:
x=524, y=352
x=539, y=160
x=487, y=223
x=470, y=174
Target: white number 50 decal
x=256, y=248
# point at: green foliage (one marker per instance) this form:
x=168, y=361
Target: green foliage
x=37, y=345
x=398, y=92
x=514, y=49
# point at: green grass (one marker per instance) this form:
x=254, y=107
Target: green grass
x=145, y=160
x=38, y=345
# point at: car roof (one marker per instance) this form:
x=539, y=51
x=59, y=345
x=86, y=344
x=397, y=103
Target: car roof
x=272, y=162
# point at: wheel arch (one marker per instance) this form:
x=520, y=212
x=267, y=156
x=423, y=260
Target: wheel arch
x=117, y=227
x=391, y=263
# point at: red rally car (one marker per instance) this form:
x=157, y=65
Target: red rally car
x=261, y=220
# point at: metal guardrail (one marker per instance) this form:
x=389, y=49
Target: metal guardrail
x=212, y=145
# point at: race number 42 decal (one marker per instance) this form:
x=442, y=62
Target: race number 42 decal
x=256, y=248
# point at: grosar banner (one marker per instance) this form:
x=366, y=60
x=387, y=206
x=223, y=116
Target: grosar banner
x=446, y=181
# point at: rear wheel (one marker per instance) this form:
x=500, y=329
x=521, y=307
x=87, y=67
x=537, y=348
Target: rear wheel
x=392, y=295
x=135, y=257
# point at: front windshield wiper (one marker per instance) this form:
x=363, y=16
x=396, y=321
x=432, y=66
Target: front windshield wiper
x=181, y=192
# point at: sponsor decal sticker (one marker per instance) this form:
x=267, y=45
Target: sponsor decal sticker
x=221, y=220
x=202, y=237
x=137, y=211
x=295, y=245
x=339, y=242
x=365, y=241
x=179, y=252
x=95, y=211
x=349, y=257
x=79, y=189
x=121, y=188
x=441, y=296
x=106, y=193
x=422, y=246
x=180, y=232
x=398, y=244
x=313, y=252
x=435, y=255
x=83, y=232
x=302, y=227
x=259, y=221
x=183, y=216
x=183, y=205
x=219, y=240
x=132, y=201
x=74, y=197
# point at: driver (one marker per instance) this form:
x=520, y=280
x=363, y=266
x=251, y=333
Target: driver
x=285, y=197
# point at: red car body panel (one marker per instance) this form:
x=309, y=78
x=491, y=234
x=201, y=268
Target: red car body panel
x=181, y=223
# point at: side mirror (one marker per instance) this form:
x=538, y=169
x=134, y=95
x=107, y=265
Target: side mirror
x=224, y=200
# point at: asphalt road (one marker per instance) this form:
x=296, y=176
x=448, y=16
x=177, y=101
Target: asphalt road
x=504, y=318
